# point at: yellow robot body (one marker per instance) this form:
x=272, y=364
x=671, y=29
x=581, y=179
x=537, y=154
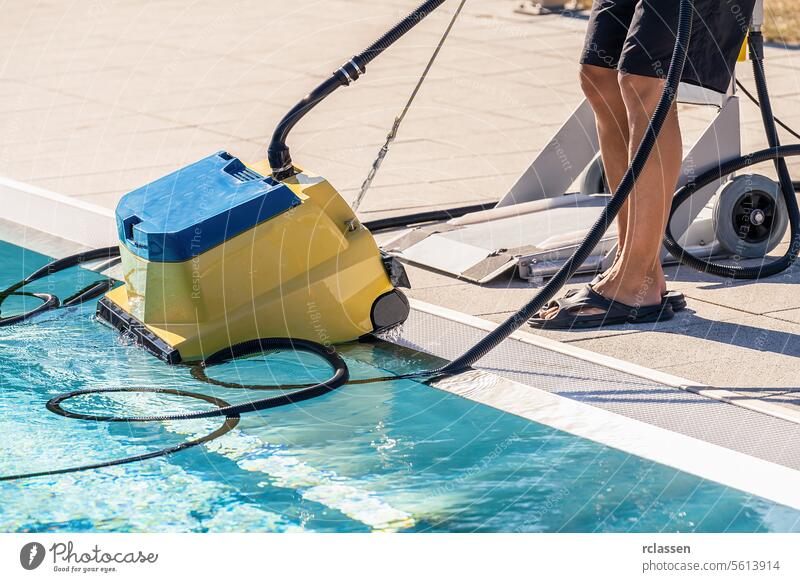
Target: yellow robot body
x=217, y=254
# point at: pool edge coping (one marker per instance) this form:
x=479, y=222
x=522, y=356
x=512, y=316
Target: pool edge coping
x=570, y=350
x=57, y=215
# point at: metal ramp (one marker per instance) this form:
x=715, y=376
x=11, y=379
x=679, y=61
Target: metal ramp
x=537, y=224
x=481, y=246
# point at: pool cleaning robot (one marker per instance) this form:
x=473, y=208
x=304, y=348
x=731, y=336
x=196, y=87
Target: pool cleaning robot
x=220, y=252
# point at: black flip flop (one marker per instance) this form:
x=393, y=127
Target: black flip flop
x=614, y=312
x=676, y=299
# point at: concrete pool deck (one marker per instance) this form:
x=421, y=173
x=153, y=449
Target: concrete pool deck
x=98, y=99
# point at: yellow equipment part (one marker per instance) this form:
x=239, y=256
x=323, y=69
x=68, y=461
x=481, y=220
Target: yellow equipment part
x=313, y=272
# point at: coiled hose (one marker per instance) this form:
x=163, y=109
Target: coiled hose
x=50, y=301
x=776, y=153
x=230, y=412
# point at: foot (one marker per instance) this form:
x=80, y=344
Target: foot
x=632, y=290
x=576, y=312
x=636, y=291
x=658, y=274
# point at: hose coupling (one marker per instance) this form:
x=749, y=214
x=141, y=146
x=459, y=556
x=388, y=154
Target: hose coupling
x=351, y=71
x=280, y=161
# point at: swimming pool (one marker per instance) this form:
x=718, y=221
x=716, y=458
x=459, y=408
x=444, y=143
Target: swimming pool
x=396, y=456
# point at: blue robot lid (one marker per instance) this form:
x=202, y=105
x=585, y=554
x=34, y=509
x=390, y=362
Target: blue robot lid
x=190, y=211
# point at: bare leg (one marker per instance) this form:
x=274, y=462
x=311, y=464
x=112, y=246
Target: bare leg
x=602, y=90
x=637, y=278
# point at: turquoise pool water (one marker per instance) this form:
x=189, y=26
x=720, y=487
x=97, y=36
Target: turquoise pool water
x=391, y=456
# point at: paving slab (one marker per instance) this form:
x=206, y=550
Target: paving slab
x=791, y=315
x=87, y=186
x=439, y=193
x=745, y=352
x=756, y=297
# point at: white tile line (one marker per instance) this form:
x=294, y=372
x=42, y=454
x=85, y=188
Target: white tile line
x=731, y=397
x=688, y=454
x=286, y=470
x=54, y=196
x=58, y=215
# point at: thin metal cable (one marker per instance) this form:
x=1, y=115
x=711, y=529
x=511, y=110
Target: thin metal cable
x=376, y=165
x=777, y=119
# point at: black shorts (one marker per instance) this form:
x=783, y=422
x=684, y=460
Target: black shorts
x=638, y=37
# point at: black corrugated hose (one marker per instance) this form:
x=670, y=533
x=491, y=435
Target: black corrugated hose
x=393, y=222
x=50, y=301
x=278, y=154
x=369, y=54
